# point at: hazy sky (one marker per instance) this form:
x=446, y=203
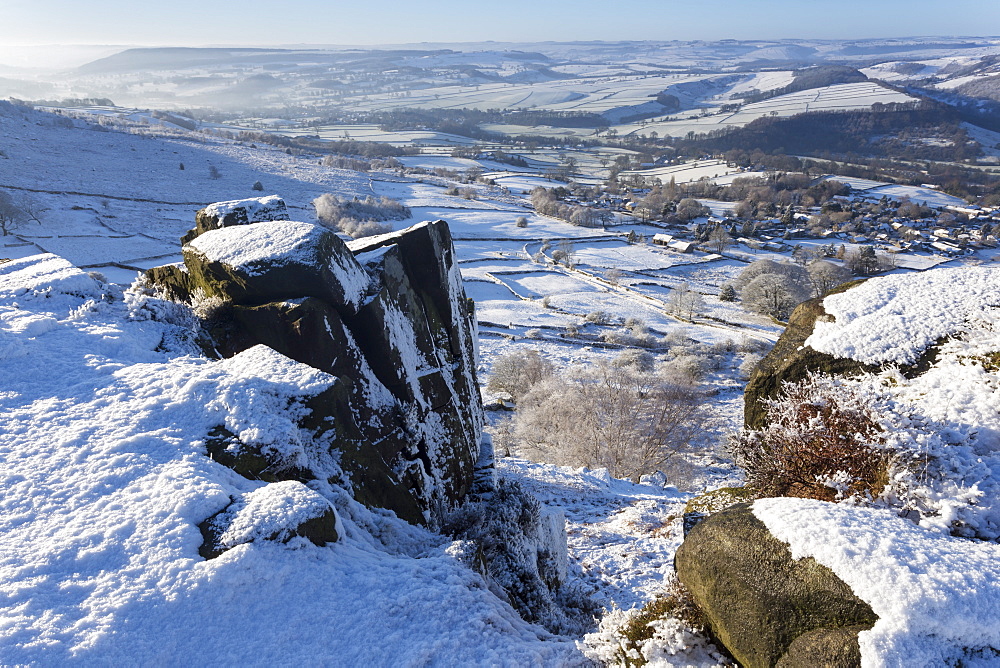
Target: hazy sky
x=261, y=22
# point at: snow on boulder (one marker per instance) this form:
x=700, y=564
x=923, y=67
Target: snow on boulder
x=900, y=319
x=237, y=212
x=387, y=316
x=896, y=318
x=759, y=601
x=278, y=511
x=261, y=262
x=937, y=598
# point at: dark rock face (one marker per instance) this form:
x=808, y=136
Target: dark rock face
x=791, y=360
x=389, y=318
x=764, y=607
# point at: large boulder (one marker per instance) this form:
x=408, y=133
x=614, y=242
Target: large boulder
x=865, y=326
x=386, y=317
x=277, y=260
x=237, y=212
x=763, y=606
x=790, y=361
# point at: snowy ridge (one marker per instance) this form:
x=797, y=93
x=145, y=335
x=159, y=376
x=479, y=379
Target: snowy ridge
x=895, y=318
x=272, y=206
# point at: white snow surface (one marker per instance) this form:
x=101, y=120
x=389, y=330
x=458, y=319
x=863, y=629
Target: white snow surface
x=895, y=318
x=253, y=248
x=937, y=597
x=271, y=510
x=278, y=242
x=103, y=417
x=258, y=209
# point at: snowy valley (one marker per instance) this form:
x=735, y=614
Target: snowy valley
x=174, y=492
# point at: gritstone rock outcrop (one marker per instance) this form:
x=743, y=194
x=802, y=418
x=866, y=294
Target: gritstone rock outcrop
x=765, y=607
x=387, y=316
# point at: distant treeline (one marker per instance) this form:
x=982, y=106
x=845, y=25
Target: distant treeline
x=67, y=102
x=313, y=144
x=891, y=130
x=468, y=119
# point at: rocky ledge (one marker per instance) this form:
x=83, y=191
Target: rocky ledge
x=387, y=317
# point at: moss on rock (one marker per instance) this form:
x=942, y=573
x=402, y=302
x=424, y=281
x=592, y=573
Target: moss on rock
x=756, y=599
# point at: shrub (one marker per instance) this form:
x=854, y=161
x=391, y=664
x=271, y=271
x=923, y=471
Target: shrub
x=668, y=630
x=504, y=538
x=822, y=442
x=521, y=221
x=359, y=218
x=517, y=372
x=685, y=368
x=749, y=363
x=598, y=318
x=363, y=228
x=641, y=360
x=619, y=418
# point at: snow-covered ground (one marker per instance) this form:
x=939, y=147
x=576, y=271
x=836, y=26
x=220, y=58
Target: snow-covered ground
x=106, y=467
x=106, y=477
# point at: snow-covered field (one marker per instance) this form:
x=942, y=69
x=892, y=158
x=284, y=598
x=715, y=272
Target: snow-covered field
x=920, y=195
x=839, y=97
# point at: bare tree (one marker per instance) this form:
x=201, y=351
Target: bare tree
x=18, y=210
x=615, y=417
x=719, y=239
x=685, y=302
x=566, y=251
x=825, y=276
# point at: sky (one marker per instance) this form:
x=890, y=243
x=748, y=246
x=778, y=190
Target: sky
x=286, y=22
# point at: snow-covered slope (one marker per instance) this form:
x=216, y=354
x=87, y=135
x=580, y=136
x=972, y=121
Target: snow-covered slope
x=103, y=421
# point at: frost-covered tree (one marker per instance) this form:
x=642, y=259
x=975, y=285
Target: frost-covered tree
x=685, y=302
x=773, y=294
x=689, y=209
x=719, y=239
x=794, y=272
x=825, y=276
x=616, y=417
x=515, y=373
